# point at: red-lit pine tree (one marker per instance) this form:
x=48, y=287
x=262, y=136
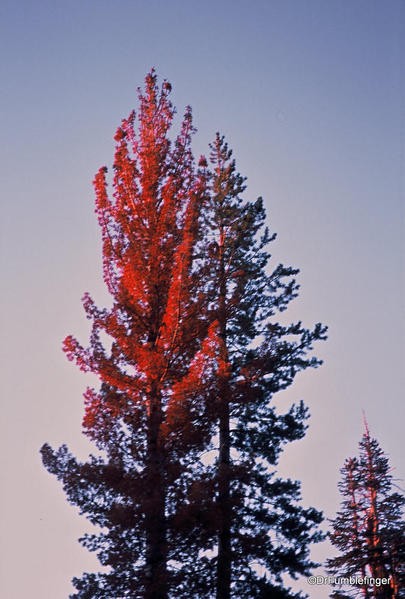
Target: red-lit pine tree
x=260, y=531
x=149, y=416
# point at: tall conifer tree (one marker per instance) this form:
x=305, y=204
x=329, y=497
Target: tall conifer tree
x=262, y=531
x=148, y=417
x=369, y=530
x=196, y=356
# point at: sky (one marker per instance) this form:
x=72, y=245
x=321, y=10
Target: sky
x=310, y=95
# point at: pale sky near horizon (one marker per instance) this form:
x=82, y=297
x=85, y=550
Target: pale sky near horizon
x=310, y=95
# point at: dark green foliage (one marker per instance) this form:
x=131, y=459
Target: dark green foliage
x=112, y=493
x=264, y=532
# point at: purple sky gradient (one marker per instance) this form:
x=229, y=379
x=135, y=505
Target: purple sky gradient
x=311, y=97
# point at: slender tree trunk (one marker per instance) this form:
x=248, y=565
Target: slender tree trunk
x=224, y=537
x=395, y=566
x=377, y=566
x=155, y=518
x=223, y=590
x=356, y=532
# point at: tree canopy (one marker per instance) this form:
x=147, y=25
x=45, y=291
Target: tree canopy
x=189, y=358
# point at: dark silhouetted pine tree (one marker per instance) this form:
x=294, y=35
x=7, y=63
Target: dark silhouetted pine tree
x=369, y=530
x=262, y=532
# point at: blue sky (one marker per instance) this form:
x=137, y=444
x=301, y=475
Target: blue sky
x=310, y=95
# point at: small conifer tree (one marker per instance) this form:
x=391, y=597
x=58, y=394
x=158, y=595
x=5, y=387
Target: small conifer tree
x=369, y=530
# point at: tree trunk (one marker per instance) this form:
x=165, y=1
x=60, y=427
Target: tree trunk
x=356, y=533
x=224, y=537
x=377, y=566
x=155, y=518
x=223, y=590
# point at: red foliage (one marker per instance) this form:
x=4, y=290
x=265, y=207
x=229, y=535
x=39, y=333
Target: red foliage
x=149, y=230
